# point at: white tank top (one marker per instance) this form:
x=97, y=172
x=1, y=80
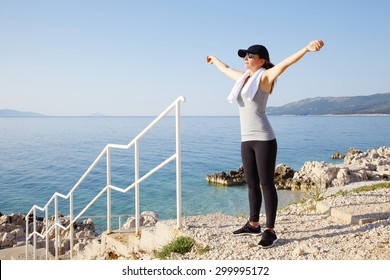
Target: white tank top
x=253, y=120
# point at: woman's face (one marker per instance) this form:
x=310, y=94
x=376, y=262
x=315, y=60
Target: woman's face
x=253, y=62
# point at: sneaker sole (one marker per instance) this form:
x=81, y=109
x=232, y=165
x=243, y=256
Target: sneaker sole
x=247, y=233
x=269, y=246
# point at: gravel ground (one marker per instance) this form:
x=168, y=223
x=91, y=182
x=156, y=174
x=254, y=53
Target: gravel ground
x=303, y=232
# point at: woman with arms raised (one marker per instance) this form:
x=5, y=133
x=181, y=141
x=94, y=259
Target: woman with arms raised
x=258, y=141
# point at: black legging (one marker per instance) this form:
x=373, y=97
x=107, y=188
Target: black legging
x=258, y=158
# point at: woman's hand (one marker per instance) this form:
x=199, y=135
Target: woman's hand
x=210, y=59
x=315, y=46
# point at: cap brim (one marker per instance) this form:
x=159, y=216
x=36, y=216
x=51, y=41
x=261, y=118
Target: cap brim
x=242, y=53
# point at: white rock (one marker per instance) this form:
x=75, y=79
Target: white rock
x=19, y=232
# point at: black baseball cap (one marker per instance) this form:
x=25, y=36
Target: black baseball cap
x=255, y=49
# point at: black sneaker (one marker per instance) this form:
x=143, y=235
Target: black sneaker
x=268, y=239
x=247, y=229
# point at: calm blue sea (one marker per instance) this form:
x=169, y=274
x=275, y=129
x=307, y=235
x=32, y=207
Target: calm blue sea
x=43, y=155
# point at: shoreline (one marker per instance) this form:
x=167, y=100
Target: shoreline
x=357, y=115
x=196, y=116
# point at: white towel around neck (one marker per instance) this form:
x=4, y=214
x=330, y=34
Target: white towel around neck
x=250, y=88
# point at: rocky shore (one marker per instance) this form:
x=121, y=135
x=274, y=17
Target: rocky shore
x=13, y=235
x=358, y=166
x=13, y=230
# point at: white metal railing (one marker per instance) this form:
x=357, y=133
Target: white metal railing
x=107, y=189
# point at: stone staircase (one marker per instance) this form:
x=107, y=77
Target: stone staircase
x=129, y=245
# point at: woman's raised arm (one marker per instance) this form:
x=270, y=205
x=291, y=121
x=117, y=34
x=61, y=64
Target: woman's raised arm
x=225, y=69
x=271, y=74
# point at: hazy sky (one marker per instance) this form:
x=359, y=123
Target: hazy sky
x=136, y=57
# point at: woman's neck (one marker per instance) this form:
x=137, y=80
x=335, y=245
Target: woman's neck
x=253, y=71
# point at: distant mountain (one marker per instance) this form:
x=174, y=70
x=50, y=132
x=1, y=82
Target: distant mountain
x=367, y=104
x=14, y=113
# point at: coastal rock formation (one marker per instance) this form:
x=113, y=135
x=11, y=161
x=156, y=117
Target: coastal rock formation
x=283, y=177
x=13, y=230
x=337, y=155
x=13, y=234
x=358, y=166
x=232, y=178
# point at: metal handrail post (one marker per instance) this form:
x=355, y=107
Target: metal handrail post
x=109, y=226
x=27, y=233
x=136, y=177
x=56, y=226
x=47, y=232
x=35, y=233
x=71, y=228
x=178, y=167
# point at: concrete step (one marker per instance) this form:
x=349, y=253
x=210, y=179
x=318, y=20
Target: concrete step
x=347, y=216
x=151, y=238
